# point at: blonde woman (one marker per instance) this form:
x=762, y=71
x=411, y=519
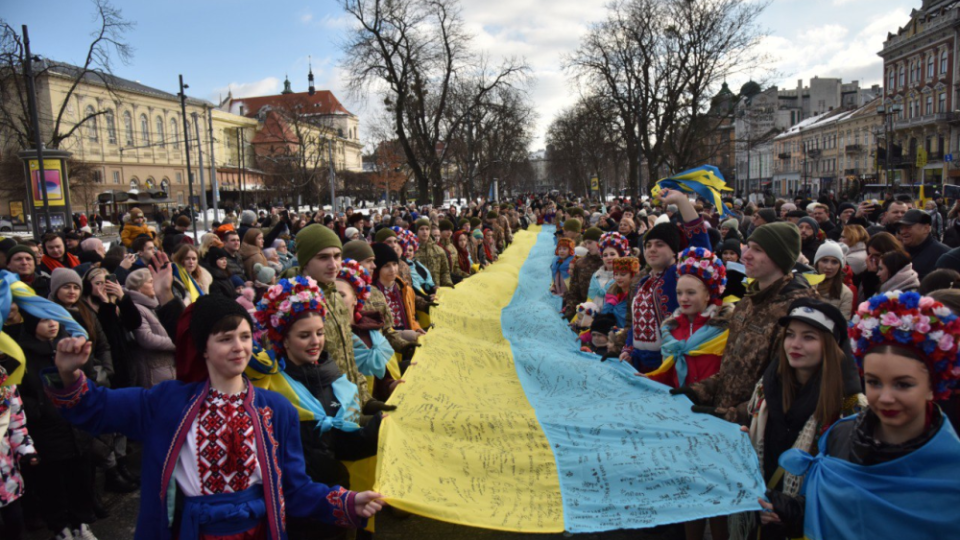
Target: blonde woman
x=187, y=270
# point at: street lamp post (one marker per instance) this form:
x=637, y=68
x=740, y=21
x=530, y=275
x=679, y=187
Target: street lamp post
x=186, y=146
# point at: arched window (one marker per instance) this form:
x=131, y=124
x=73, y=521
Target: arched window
x=175, y=132
x=165, y=186
x=91, y=120
x=144, y=129
x=160, y=139
x=134, y=183
x=150, y=183
x=943, y=62
x=111, y=127
x=128, y=127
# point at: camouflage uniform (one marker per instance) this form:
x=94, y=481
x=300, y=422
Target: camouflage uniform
x=452, y=257
x=339, y=340
x=377, y=302
x=583, y=271
x=498, y=235
x=505, y=226
x=751, y=346
x=435, y=259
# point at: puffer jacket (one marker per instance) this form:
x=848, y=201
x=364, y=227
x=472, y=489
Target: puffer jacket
x=154, y=350
x=130, y=232
x=750, y=346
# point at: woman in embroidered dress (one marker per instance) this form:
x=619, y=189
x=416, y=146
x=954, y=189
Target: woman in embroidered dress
x=810, y=385
x=612, y=246
x=896, y=461
x=290, y=320
x=221, y=457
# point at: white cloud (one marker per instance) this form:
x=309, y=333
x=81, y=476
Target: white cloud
x=306, y=18
x=263, y=87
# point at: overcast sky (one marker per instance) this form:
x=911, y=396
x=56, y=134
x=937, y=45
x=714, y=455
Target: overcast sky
x=248, y=46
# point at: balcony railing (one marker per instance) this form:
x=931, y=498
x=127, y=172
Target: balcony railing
x=814, y=153
x=784, y=155
x=854, y=148
x=921, y=120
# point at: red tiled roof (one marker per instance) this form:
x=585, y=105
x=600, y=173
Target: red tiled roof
x=321, y=102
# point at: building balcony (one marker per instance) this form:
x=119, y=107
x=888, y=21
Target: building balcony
x=814, y=153
x=921, y=120
x=854, y=148
x=783, y=155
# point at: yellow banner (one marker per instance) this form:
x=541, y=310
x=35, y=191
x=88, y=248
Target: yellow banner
x=464, y=444
x=54, y=182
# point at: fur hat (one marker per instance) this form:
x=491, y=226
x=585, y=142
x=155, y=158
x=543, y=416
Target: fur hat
x=623, y=265
x=705, y=266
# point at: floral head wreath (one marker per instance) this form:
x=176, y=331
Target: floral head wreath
x=704, y=265
x=567, y=243
x=359, y=278
x=914, y=322
x=587, y=309
x=283, y=303
x=615, y=240
x=406, y=238
x=624, y=265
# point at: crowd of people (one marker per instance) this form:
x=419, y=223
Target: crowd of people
x=822, y=329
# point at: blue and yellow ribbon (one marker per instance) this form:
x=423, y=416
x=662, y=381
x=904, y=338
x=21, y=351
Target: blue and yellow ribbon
x=706, y=182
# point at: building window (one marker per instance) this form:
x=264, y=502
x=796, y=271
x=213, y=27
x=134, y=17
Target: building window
x=97, y=177
x=940, y=146
x=144, y=129
x=943, y=62
x=116, y=177
x=174, y=133
x=150, y=183
x=91, y=120
x=942, y=105
x=179, y=178
x=929, y=104
x=930, y=67
x=179, y=198
x=160, y=132
x=891, y=81
x=128, y=127
x=901, y=83
x=916, y=73
x=111, y=127
x=165, y=186
x=134, y=183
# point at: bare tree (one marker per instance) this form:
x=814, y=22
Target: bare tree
x=584, y=143
x=107, y=44
x=658, y=62
x=415, y=54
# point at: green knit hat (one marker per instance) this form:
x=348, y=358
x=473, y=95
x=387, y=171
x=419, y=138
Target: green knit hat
x=475, y=222
x=592, y=233
x=572, y=225
x=358, y=250
x=781, y=242
x=383, y=234
x=731, y=223
x=446, y=225
x=313, y=239
x=422, y=222
x=576, y=211
x=20, y=248
x=492, y=214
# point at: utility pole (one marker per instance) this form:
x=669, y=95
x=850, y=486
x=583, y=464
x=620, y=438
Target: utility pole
x=241, y=164
x=333, y=179
x=38, y=138
x=186, y=147
x=214, y=189
x=203, y=187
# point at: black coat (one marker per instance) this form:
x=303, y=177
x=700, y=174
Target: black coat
x=116, y=328
x=221, y=284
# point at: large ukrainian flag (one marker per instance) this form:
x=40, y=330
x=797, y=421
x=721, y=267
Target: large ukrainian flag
x=504, y=424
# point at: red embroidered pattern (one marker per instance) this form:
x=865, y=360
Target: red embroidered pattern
x=336, y=497
x=226, y=448
x=68, y=398
x=267, y=414
x=646, y=320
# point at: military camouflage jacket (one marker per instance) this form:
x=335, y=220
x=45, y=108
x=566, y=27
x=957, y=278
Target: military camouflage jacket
x=435, y=259
x=583, y=271
x=339, y=340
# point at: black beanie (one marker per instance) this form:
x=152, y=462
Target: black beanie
x=768, y=215
x=668, y=233
x=20, y=248
x=730, y=244
x=7, y=244
x=90, y=257
x=603, y=323
x=208, y=310
x=384, y=254
x=446, y=225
